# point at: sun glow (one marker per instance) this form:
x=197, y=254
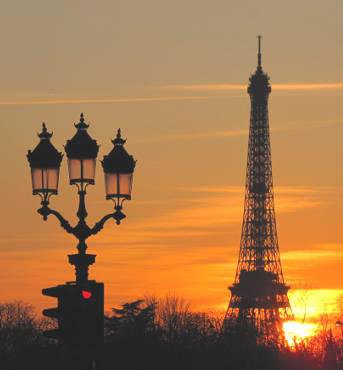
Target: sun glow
x=296, y=331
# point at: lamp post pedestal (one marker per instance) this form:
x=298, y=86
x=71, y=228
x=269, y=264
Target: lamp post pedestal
x=81, y=262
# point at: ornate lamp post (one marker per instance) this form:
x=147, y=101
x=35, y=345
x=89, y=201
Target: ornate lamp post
x=80, y=304
x=81, y=152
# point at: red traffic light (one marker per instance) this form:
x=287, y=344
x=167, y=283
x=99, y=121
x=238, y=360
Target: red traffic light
x=86, y=294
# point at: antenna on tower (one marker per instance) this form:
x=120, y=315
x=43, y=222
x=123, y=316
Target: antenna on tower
x=259, y=58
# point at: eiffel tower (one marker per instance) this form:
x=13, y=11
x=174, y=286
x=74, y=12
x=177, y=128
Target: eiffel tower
x=259, y=294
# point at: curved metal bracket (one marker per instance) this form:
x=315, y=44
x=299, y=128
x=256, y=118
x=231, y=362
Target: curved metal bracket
x=118, y=215
x=100, y=224
x=45, y=211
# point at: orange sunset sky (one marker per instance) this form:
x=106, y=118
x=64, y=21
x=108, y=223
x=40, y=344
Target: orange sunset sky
x=173, y=76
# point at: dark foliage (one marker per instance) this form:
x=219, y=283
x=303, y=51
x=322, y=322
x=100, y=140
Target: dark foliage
x=22, y=345
x=160, y=335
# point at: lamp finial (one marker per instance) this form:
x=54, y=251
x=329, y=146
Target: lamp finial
x=44, y=134
x=82, y=125
x=118, y=140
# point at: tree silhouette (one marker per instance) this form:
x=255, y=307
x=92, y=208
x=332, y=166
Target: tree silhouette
x=155, y=334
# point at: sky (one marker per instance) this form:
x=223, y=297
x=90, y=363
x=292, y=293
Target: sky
x=173, y=76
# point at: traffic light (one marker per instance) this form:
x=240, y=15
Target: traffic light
x=79, y=313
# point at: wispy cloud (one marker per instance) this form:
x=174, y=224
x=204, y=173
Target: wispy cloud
x=284, y=190
x=335, y=247
x=191, y=136
x=190, y=248
x=303, y=255
x=209, y=213
x=308, y=86
x=240, y=87
x=119, y=100
x=291, y=87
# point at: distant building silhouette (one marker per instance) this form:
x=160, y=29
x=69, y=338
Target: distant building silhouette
x=259, y=294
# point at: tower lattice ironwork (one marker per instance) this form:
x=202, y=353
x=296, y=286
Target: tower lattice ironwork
x=259, y=293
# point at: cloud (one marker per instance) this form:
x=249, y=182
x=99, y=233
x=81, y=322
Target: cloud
x=195, y=136
x=291, y=87
x=279, y=189
x=206, y=218
x=308, y=86
x=189, y=248
x=190, y=136
x=110, y=100
x=337, y=247
x=241, y=87
x=303, y=255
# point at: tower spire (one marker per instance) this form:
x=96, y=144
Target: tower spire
x=259, y=56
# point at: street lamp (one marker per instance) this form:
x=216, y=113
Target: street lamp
x=81, y=152
x=45, y=162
